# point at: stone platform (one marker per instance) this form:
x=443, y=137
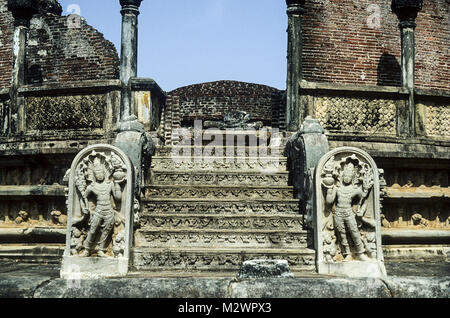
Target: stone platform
x=405, y=280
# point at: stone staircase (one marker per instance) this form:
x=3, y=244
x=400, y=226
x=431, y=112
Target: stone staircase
x=213, y=213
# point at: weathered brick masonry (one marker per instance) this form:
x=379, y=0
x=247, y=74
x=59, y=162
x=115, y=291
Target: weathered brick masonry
x=58, y=52
x=343, y=44
x=209, y=101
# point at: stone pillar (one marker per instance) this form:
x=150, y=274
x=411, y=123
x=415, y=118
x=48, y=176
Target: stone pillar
x=294, y=62
x=406, y=11
x=22, y=11
x=128, y=57
x=131, y=136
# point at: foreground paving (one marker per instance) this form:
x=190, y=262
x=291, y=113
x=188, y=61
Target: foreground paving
x=405, y=280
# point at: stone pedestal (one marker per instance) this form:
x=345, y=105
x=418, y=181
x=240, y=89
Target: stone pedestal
x=100, y=220
x=347, y=215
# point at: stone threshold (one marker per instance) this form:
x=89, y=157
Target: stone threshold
x=25, y=281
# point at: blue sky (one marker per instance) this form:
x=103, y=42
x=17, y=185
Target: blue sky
x=183, y=42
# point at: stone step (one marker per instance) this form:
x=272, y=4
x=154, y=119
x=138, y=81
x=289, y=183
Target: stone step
x=219, y=178
x=214, y=164
x=225, y=259
x=237, y=136
x=214, y=192
x=225, y=151
x=249, y=222
x=32, y=253
x=222, y=238
x=189, y=206
x=9, y=192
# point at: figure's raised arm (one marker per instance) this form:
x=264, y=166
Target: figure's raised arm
x=331, y=195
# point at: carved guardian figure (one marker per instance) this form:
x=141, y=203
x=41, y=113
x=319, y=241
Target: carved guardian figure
x=347, y=214
x=100, y=213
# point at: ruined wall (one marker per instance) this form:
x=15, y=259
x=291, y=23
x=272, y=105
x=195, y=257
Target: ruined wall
x=58, y=50
x=70, y=100
x=343, y=43
x=210, y=101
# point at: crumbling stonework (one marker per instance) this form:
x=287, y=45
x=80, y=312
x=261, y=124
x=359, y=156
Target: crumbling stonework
x=57, y=51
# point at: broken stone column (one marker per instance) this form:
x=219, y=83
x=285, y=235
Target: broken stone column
x=407, y=11
x=129, y=50
x=347, y=215
x=22, y=11
x=295, y=10
x=100, y=214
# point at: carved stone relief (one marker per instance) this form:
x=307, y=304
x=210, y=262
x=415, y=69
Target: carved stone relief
x=65, y=112
x=234, y=119
x=346, y=114
x=437, y=119
x=100, y=213
x=348, y=229
x=214, y=207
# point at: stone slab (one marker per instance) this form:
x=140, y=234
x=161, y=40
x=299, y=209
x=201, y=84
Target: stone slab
x=93, y=267
x=353, y=269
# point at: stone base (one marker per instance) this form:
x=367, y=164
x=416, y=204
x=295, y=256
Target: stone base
x=373, y=269
x=93, y=267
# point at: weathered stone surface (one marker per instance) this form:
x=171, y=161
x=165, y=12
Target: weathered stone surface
x=21, y=280
x=263, y=207
x=217, y=259
x=417, y=268
x=219, y=192
x=265, y=269
x=137, y=288
x=65, y=112
x=41, y=281
x=310, y=288
x=419, y=287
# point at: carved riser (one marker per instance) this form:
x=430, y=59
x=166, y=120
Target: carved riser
x=220, y=207
x=221, y=222
x=219, y=193
x=224, y=151
x=215, y=239
x=165, y=178
x=151, y=260
x=261, y=165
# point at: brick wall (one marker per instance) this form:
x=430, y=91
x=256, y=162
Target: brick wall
x=57, y=52
x=340, y=46
x=210, y=101
x=6, y=35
